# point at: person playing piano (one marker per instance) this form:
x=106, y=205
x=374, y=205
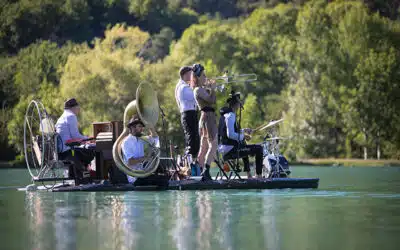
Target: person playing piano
x=67, y=129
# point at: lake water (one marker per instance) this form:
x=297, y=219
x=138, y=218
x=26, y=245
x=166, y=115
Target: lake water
x=353, y=208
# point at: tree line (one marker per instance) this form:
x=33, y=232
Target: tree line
x=329, y=68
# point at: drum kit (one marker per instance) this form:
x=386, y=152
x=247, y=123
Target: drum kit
x=275, y=165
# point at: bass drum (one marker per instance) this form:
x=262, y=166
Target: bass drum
x=274, y=169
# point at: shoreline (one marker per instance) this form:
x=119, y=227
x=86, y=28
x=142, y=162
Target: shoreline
x=337, y=162
x=12, y=164
x=317, y=162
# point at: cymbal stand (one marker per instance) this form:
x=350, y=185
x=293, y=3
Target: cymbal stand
x=164, y=129
x=239, y=132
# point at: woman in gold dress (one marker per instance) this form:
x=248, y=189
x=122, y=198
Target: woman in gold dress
x=205, y=96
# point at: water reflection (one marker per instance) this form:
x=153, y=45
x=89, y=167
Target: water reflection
x=204, y=208
x=164, y=220
x=65, y=227
x=223, y=225
x=182, y=231
x=122, y=233
x=269, y=219
x=271, y=210
x=34, y=207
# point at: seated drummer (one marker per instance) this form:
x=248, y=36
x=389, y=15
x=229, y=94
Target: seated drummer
x=67, y=128
x=133, y=146
x=231, y=142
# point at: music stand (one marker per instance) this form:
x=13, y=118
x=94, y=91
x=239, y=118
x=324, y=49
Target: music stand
x=170, y=159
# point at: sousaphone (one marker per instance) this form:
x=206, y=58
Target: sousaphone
x=146, y=107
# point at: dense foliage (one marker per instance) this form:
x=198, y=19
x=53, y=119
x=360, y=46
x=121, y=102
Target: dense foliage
x=330, y=68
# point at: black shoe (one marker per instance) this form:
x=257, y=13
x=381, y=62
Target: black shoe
x=206, y=174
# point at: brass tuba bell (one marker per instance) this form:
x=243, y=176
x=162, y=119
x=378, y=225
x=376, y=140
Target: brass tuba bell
x=146, y=107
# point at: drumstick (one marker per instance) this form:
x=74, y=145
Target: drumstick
x=270, y=124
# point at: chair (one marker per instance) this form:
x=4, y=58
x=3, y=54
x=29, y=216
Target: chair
x=79, y=175
x=223, y=162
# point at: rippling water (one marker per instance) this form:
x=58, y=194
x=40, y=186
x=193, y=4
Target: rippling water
x=354, y=208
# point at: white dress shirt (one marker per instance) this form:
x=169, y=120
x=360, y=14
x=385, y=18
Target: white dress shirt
x=230, y=119
x=133, y=147
x=67, y=128
x=184, y=96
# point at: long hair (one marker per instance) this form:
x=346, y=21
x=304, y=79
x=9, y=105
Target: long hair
x=194, y=79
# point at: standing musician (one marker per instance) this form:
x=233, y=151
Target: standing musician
x=206, y=100
x=231, y=140
x=133, y=147
x=187, y=106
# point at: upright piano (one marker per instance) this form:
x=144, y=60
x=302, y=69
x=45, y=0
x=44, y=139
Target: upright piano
x=106, y=133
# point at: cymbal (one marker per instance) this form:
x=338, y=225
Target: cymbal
x=276, y=138
x=270, y=124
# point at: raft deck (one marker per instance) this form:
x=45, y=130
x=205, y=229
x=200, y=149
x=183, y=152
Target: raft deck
x=192, y=184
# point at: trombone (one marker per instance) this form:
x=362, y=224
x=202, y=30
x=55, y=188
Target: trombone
x=221, y=81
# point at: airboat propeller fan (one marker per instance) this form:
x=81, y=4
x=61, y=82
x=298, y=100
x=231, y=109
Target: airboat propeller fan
x=40, y=143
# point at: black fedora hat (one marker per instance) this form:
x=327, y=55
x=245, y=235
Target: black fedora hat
x=135, y=120
x=234, y=97
x=70, y=103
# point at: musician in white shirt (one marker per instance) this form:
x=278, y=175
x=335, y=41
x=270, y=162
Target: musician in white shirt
x=187, y=106
x=232, y=143
x=133, y=147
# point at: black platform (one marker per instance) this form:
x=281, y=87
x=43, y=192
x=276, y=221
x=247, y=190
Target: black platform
x=276, y=183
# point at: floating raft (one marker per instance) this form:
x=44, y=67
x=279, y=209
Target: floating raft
x=192, y=184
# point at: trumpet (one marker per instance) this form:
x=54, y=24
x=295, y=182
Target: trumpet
x=221, y=81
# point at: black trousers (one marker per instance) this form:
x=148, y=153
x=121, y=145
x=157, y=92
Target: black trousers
x=190, y=124
x=81, y=158
x=244, y=151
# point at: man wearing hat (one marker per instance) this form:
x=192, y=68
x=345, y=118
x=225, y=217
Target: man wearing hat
x=133, y=147
x=231, y=139
x=187, y=106
x=67, y=128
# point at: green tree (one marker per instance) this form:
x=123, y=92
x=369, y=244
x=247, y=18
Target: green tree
x=36, y=76
x=159, y=45
x=112, y=68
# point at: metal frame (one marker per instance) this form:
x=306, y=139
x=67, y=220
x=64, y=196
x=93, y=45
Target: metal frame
x=272, y=149
x=222, y=173
x=43, y=157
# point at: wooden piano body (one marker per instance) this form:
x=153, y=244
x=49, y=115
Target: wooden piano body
x=106, y=133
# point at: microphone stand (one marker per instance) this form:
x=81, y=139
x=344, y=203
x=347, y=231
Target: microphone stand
x=239, y=129
x=174, y=165
x=165, y=133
